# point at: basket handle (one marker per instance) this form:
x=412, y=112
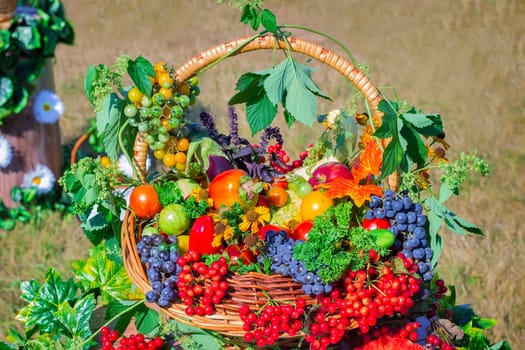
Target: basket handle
x=265, y=42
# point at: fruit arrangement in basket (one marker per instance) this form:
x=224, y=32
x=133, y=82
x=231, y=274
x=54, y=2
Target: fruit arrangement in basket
x=335, y=242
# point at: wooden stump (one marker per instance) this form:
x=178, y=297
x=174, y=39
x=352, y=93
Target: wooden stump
x=32, y=142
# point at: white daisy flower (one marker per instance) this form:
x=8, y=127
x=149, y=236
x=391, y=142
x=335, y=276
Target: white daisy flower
x=48, y=107
x=42, y=178
x=125, y=168
x=6, y=152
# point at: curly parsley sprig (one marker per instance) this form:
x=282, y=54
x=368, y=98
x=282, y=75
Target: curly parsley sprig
x=333, y=247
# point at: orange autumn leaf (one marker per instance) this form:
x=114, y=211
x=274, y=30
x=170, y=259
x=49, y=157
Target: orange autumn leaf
x=341, y=187
x=369, y=161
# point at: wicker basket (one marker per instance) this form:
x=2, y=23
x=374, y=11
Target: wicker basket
x=252, y=288
x=7, y=12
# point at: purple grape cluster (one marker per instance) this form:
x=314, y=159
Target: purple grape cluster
x=159, y=255
x=408, y=223
x=279, y=250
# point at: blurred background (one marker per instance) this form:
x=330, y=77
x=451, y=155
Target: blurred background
x=464, y=59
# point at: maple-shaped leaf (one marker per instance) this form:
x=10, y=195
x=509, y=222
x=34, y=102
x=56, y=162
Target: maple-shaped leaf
x=341, y=187
x=390, y=343
x=370, y=161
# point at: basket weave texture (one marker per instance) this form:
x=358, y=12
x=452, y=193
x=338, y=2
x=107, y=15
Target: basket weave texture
x=252, y=288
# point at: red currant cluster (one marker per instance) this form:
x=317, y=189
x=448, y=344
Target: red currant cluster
x=272, y=321
x=201, y=287
x=279, y=158
x=328, y=322
x=132, y=342
x=390, y=293
x=438, y=344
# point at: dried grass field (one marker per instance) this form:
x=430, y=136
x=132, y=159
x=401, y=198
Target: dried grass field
x=464, y=59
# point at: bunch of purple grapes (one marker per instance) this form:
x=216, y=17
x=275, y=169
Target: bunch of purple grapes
x=278, y=249
x=408, y=223
x=160, y=255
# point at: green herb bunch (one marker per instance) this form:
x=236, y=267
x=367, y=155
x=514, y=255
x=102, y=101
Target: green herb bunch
x=25, y=46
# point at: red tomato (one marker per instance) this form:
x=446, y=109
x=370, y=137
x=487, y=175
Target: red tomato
x=266, y=228
x=373, y=224
x=224, y=189
x=277, y=196
x=301, y=231
x=201, y=236
x=144, y=201
x=240, y=251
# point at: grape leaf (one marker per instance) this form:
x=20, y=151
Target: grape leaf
x=260, y=113
x=76, y=319
x=115, y=308
x=291, y=85
x=109, y=121
x=436, y=243
x=111, y=279
x=415, y=148
x=43, y=301
x=425, y=124
x=140, y=72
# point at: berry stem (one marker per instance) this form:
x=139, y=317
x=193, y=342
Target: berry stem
x=131, y=307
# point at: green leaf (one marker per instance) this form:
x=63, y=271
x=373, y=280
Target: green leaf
x=20, y=97
x=16, y=194
x=76, y=319
x=452, y=220
x=205, y=339
x=109, y=121
x=416, y=148
x=384, y=131
x=89, y=90
x=100, y=272
x=291, y=85
x=43, y=301
x=146, y=320
x=29, y=37
x=425, y=124
x=501, y=345
x=260, y=114
x=6, y=90
x=269, y=21
x=445, y=192
x=484, y=323
x=115, y=308
x=436, y=243
x=392, y=158
x=140, y=72
x=7, y=224
x=250, y=86
x=28, y=194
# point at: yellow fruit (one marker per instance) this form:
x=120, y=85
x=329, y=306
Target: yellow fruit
x=183, y=241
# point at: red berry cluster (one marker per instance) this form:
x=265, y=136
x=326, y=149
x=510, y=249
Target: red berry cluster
x=201, y=286
x=278, y=153
x=389, y=294
x=438, y=344
x=407, y=331
x=272, y=321
x=328, y=321
x=132, y=342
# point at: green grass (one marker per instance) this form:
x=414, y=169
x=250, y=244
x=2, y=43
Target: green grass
x=463, y=59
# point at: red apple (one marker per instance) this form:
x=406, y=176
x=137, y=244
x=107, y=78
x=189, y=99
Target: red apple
x=328, y=171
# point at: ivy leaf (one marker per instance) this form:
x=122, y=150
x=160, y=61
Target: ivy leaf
x=6, y=90
x=76, y=319
x=140, y=70
x=111, y=279
x=43, y=301
x=269, y=21
x=109, y=121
